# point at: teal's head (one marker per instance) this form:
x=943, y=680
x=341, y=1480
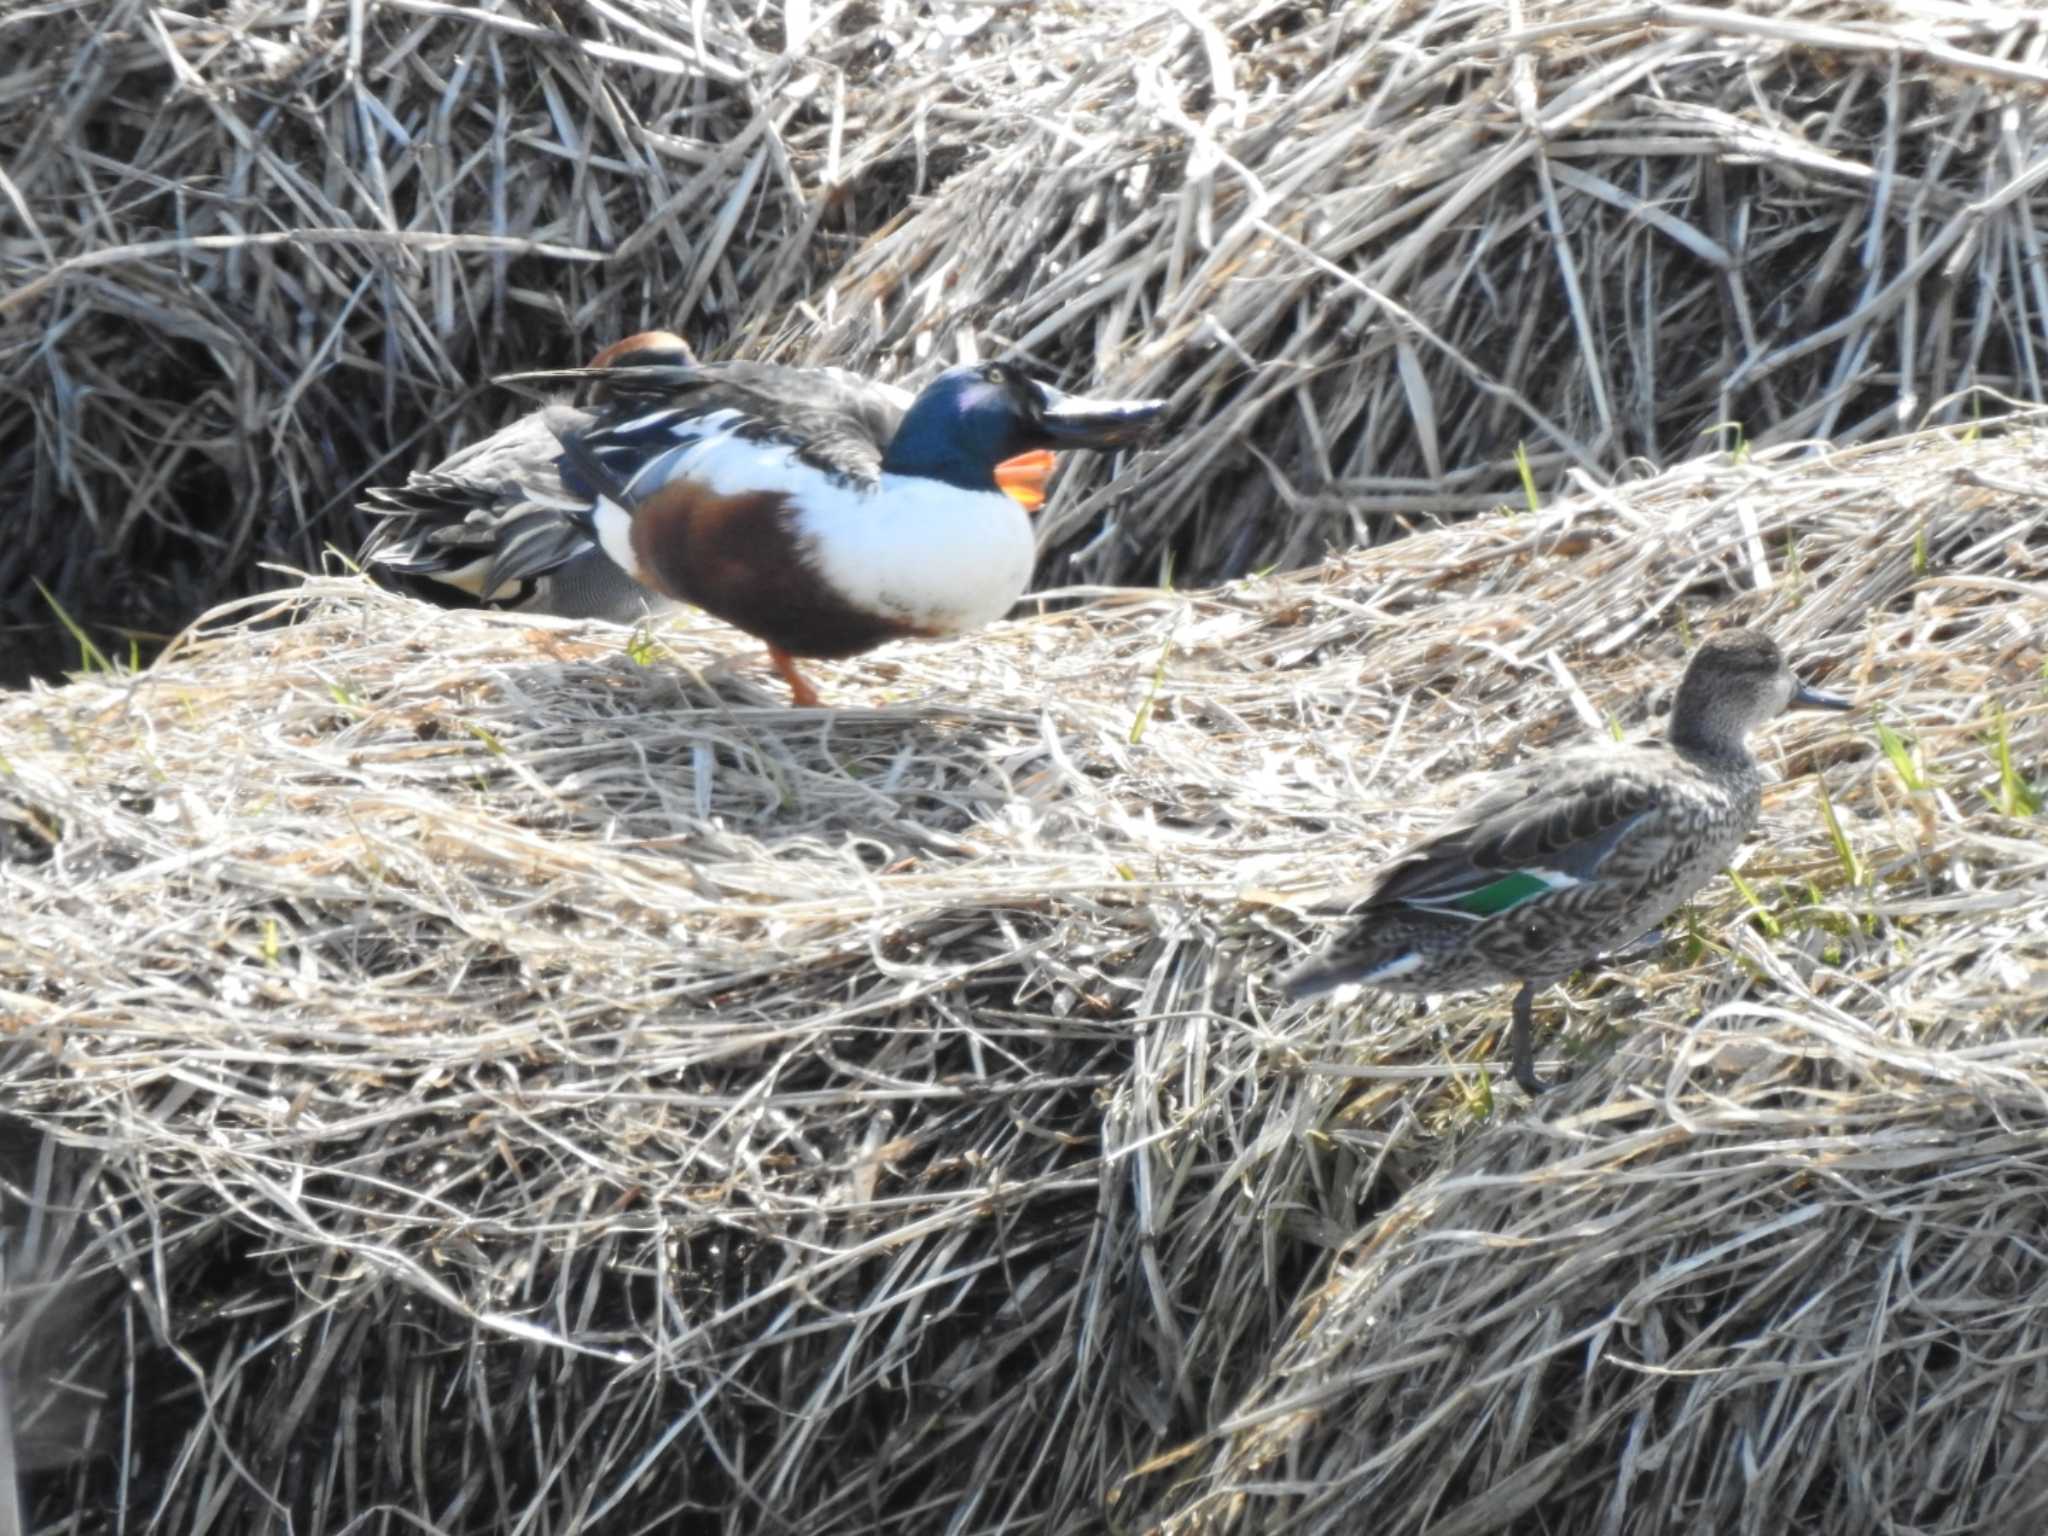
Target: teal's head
x=1736, y=681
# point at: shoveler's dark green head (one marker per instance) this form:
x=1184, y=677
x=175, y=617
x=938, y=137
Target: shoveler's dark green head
x=970, y=419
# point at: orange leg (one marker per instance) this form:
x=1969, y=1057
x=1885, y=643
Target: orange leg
x=801, y=694
x=1025, y=477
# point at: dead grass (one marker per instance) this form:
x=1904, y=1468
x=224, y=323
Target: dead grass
x=508, y=1085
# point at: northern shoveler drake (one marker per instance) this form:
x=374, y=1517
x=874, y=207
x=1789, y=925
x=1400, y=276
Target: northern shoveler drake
x=822, y=512
x=1572, y=855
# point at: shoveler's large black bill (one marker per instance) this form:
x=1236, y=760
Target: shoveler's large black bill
x=1068, y=421
x=1804, y=697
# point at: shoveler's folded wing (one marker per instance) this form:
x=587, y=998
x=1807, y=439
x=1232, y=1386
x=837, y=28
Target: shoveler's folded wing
x=827, y=419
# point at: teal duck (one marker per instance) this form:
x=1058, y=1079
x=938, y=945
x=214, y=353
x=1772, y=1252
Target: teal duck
x=1568, y=857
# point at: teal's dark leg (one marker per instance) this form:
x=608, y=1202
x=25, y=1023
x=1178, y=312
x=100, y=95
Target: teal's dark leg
x=1519, y=1050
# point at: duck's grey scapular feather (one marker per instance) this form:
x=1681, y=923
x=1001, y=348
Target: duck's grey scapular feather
x=1575, y=853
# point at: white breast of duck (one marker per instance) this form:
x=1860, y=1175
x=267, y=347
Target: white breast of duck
x=935, y=557
x=940, y=558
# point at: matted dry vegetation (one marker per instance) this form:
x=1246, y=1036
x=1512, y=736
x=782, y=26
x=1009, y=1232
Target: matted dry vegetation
x=256, y=256
x=524, y=1077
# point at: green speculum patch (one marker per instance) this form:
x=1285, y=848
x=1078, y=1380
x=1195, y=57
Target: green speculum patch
x=1506, y=892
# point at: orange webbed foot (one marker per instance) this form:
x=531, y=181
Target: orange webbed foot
x=801, y=694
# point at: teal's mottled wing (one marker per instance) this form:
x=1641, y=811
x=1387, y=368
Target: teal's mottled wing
x=1535, y=832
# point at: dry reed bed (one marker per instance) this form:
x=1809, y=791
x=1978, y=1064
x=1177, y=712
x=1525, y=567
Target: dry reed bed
x=263, y=255
x=517, y=1076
